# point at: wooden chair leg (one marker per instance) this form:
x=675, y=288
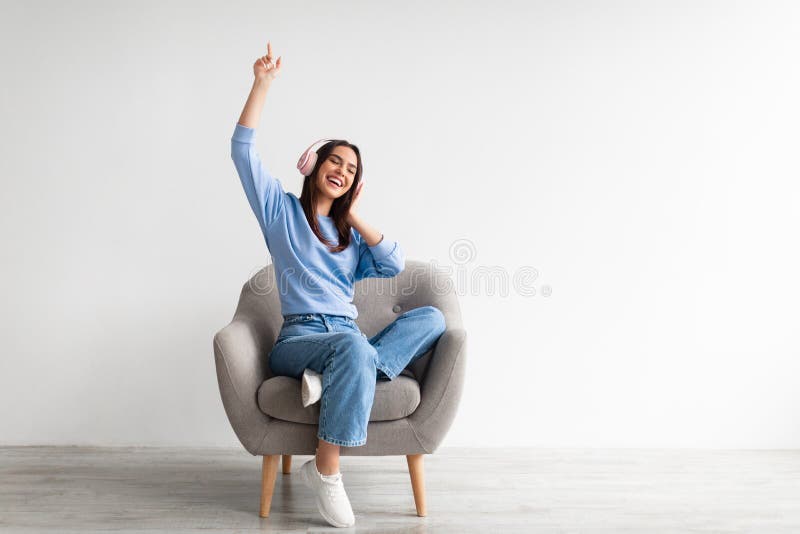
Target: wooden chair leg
x=269, y=471
x=287, y=464
x=417, y=472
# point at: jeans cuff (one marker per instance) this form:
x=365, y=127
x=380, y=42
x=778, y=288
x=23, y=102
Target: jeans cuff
x=343, y=442
x=391, y=375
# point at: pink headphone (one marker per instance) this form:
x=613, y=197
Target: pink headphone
x=308, y=160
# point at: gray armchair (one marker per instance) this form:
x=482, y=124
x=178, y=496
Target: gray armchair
x=410, y=414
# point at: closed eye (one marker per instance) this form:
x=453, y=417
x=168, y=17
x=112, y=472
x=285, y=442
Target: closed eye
x=336, y=160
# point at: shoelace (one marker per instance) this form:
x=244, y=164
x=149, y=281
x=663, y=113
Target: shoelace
x=335, y=487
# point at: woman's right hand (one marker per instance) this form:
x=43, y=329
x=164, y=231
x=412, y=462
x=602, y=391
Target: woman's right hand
x=264, y=69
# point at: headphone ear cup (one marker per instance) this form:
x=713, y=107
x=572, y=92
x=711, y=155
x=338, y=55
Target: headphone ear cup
x=307, y=161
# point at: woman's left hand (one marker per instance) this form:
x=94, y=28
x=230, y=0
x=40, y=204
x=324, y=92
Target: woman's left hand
x=356, y=198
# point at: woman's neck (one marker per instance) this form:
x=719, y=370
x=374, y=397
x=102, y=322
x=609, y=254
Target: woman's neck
x=324, y=206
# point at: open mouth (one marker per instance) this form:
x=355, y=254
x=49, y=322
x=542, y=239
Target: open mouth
x=335, y=181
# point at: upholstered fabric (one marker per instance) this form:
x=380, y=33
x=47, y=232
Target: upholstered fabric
x=242, y=348
x=280, y=397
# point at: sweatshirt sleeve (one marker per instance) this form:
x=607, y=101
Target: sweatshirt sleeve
x=384, y=260
x=264, y=192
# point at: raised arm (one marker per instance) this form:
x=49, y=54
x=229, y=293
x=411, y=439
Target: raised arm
x=264, y=72
x=264, y=192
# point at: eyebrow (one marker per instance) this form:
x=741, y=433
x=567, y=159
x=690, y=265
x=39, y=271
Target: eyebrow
x=351, y=164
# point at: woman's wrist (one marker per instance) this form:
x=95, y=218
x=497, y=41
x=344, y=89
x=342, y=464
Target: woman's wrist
x=262, y=83
x=251, y=114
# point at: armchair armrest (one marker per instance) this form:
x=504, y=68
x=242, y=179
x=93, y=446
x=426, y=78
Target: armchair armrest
x=240, y=355
x=441, y=389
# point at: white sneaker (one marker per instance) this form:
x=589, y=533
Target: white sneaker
x=331, y=498
x=310, y=387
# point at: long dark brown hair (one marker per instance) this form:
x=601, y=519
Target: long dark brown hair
x=340, y=206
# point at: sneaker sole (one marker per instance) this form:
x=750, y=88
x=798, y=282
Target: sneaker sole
x=321, y=508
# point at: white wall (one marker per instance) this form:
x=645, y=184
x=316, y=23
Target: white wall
x=641, y=156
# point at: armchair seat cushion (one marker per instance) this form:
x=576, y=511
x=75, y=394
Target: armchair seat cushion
x=279, y=397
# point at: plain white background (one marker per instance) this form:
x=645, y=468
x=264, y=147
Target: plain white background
x=640, y=156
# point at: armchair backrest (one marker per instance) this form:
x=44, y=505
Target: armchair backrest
x=378, y=300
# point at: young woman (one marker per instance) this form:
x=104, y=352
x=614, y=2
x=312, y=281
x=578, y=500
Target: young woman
x=320, y=247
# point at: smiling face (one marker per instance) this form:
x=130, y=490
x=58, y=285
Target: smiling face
x=337, y=172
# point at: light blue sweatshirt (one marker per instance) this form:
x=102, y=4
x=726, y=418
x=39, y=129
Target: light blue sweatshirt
x=310, y=278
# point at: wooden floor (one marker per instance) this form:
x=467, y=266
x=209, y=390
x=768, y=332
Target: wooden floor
x=80, y=489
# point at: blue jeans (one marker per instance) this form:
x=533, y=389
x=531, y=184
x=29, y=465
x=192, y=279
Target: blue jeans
x=351, y=364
